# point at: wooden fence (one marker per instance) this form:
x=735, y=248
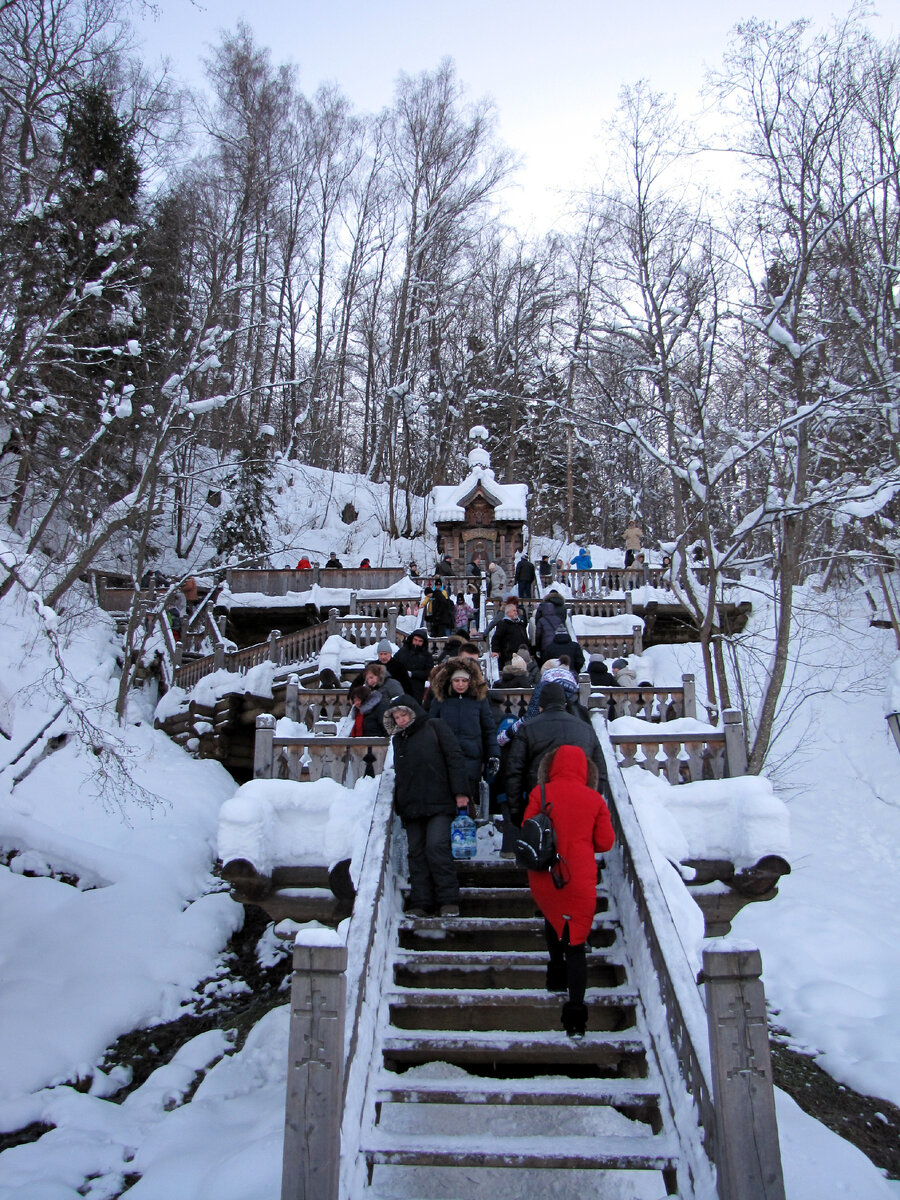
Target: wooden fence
x=279, y=583
x=686, y=757
x=315, y=757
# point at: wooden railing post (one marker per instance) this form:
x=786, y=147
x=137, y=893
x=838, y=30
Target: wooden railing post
x=735, y=745
x=177, y=655
x=264, y=747
x=274, y=649
x=219, y=658
x=333, y=621
x=392, y=623
x=223, y=624
x=629, y=607
x=638, y=639
x=315, y=1085
x=584, y=688
x=646, y=572
x=690, y=696
x=228, y=578
x=353, y=598
x=748, y=1158
x=292, y=698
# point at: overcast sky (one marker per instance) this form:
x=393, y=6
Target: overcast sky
x=554, y=71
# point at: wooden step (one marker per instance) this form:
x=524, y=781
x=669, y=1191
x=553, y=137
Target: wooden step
x=448, y=969
x=639, y=1100
x=615, y=1053
x=479, y=933
x=648, y=1153
x=522, y=1011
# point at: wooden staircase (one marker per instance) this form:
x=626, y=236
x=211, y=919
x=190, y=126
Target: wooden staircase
x=477, y=1091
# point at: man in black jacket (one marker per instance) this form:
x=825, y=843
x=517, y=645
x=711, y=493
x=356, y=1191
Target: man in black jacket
x=525, y=576
x=509, y=635
x=553, y=727
x=430, y=786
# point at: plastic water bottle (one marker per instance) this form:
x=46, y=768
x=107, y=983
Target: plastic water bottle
x=462, y=837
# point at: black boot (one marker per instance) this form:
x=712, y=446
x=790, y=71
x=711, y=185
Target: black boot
x=557, y=977
x=574, y=1019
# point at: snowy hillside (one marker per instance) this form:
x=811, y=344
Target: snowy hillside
x=113, y=920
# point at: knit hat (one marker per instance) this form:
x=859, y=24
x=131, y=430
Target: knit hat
x=517, y=664
x=384, y=647
x=552, y=694
x=619, y=663
x=548, y=665
x=461, y=673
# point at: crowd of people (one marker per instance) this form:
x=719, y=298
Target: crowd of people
x=456, y=747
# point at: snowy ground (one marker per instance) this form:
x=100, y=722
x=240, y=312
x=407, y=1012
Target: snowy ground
x=137, y=925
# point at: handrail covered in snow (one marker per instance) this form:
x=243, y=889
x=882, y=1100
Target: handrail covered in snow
x=722, y=1058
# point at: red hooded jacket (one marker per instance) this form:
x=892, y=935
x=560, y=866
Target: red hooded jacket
x=583, y=828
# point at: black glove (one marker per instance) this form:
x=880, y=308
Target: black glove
x=493, y=766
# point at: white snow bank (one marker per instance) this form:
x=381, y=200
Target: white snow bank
x=322, y=597
x=622, y=625
x=649, y=729
x=337, y=651
x=279, y=822
x=737, y=819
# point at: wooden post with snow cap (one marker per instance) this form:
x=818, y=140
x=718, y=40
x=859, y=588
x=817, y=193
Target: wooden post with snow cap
x=292, y=698
x=584, y=689
x=219, y=657
x=333, y=626
x=638, y=639
x=392, y=624
x=629, y=604
x=264, y=747
x=353, y=598
x=274, y=648
x=690, y=696
x=747, y=1154
x=735, y=746
x=315, y=1084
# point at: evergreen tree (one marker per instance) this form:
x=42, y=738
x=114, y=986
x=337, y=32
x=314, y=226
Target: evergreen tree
x=242, y=534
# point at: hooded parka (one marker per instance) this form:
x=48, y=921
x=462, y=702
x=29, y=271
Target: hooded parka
x=583, y=828
x=469, y=715
x=416, y=661
x=429, y=768
x=550, y=615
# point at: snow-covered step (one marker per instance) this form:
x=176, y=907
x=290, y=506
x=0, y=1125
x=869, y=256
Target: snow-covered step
x=470, y=969
x=654, y=1152
x=483, y=933
x=458, y=1088
x=506, y=1009
x=618, y=1053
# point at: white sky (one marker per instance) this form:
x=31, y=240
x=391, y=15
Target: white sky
x=554, y=71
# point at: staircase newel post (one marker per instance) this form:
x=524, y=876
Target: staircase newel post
x=219, y=657
x=735, y=745
x=264, y=747
x=629, y=604
x=392, y=624
x=748, y=1157
x=584, y=688
x=353, y=599
x=315, y=1086
x=274, y=649
x=333, y=626
x=292, y=698
x=690, y=696
x=638, y=639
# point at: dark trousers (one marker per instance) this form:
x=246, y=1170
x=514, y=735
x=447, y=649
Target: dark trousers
x=629, y=558
x=432, y=875
x=525, y=590
x=573, y=957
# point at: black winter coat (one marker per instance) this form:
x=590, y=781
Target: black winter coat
x=508, y=637
x=418, y=664
x=548, y=618
x=562, y=643
x=525, y=572
x=550, y=729
x=600, y=674
x=472, y=721
x=429, y=768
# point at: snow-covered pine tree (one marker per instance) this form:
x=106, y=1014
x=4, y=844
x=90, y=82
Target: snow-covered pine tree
x=242, y=535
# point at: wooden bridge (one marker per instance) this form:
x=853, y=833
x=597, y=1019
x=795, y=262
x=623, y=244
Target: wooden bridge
x=425, y=1058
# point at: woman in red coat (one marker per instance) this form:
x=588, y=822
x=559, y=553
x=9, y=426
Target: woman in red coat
x=583, y=828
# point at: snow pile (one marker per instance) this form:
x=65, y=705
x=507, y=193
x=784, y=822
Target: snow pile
x=739, y=820
x=338, y=652
x=278, y=822
x=623, y=625
x=639, y=728
x=892, y=691
x=404, y=590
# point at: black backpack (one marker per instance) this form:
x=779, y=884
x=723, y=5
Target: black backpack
x=536, y=843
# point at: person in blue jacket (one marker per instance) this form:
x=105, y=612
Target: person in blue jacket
x=582, y=560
